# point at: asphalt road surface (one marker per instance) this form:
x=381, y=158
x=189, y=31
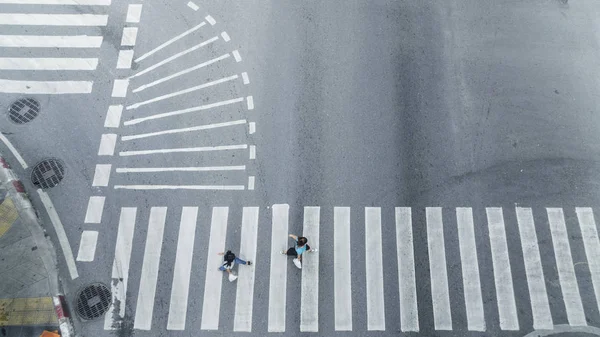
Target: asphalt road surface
x=441, y=155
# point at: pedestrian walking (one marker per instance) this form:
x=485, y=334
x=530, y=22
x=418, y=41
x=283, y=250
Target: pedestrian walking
x=299, y=248
x=229, y=260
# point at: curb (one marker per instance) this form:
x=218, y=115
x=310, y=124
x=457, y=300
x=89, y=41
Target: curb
x=16, y=190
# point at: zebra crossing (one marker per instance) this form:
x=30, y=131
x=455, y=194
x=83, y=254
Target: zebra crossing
x=55, y=35
x=342, y=224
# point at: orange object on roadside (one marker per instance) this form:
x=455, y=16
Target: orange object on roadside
x=50, y=334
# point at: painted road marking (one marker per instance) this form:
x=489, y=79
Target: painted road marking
x=183, y=92
x=50, y=41
x=87, y=246
x=278, y=268
x=211, y=306
x=342, y=269
x=125, y=58
x=113, y=116
x=589, y=233
x=120, y=88
x=184, y=111
x=505, y=295
x=237, y=56
x=440, y=295
x=45, y=87
x=470, y=269
x=252, y=127
x=149, y=276
x=129, y=36
x=95, y=209
x=181, y=187
x=174, y=131
x=374, y=270
x=250, y=101
x=252, y=154
x=120, y=268
x=540, y=308
x=176, y=56
x=251, y=183
x=26, y=19
x=47, y=63
x=14, y=151
x=187, y=149
x=59, y=2
x=180, y=169
x=193, y=6
x=245, y=78
x=102, y=175
x=210, y=20
x=60, y=233
x=182, y=270
x=245, y=284
x=134, y=13
x=409, y=313
x=108, y=142
x=176, y=38
x=564, y=265
x=185, y=71
x=225, y=37
x=309, y=303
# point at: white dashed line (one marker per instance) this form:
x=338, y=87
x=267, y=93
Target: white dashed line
x=193, y=6
x=87, y=246
x=225, y=36
x=194, y=128
x=120, y=88
x=250, y=101
x=27, y=19
x=251, y=183
x=180, y=169
x=46, y=87
x=185, y=149
x=129, y=36
x=252, y=127
x=134, y=12
x=101, y=175
x=125, y=59
x=95, y=209
x=48, y=63
x=210, y=20
x=113, y=116
x=252, y=151
x=50, y=41
x=182, y=187
x=170, y=41
x=236, y=55
x=107, y=144
x=245, y=78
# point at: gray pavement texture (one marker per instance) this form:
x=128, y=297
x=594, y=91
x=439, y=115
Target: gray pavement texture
x=448, y=103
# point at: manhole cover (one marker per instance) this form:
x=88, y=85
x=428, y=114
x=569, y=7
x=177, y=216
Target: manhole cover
x=93, y=301
x=24, y=110
x=47, y=173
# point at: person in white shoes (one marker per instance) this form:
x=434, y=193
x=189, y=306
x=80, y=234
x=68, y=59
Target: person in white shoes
x=299, y=248
x=229, y=260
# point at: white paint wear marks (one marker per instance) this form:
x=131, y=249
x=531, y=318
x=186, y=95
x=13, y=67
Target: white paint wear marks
x=183, y=72
x=174, y=57
x=242, y=320
x=181, y=187
x=186, y=149
x=193, y=6
x=374, y=269
x=309, y=301
x=176, y=38
x=102, y=175
x=120, y=268
x=25, y=19
x=540, y=308
x=113, y=116
x=180, y=169
x=211, y=306
x=124, y=60
x=45, y=87
x=210, y=20
x=182, y=271
x=87, y=246
x=95, y=209
x=194, y=128
x=245, y=78
x=252, y=154
x=47, y=63
x=440, y=295
x=342, y=269
x=120, y=88
x=60, y=233
x=470, y=269
x=250, y=101
x=237, y=56
x=589, y=233
x=252, y=127
x=278, y=268
x=251, y=183
x=129, y=36
x=184, y=111
x=14, y=151
x=149, y=277
x=183, y=92
x=50, y=41
x=225, y=37
x=409, y=313
x=108, y=141
x=507, y=309
x=564, y=265
x=134, y=12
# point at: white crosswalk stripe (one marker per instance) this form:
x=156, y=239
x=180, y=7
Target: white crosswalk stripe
x=348, y=282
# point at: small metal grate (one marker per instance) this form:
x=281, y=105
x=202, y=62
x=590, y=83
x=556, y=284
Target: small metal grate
x=93, y=301
x=24, y=110
x=48, y=173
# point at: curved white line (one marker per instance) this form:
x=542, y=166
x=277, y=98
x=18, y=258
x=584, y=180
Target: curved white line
x=13, y=150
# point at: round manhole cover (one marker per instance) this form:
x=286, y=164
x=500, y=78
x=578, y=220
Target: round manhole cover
x=24, y=110
x=47, y=173
x=93, y=301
